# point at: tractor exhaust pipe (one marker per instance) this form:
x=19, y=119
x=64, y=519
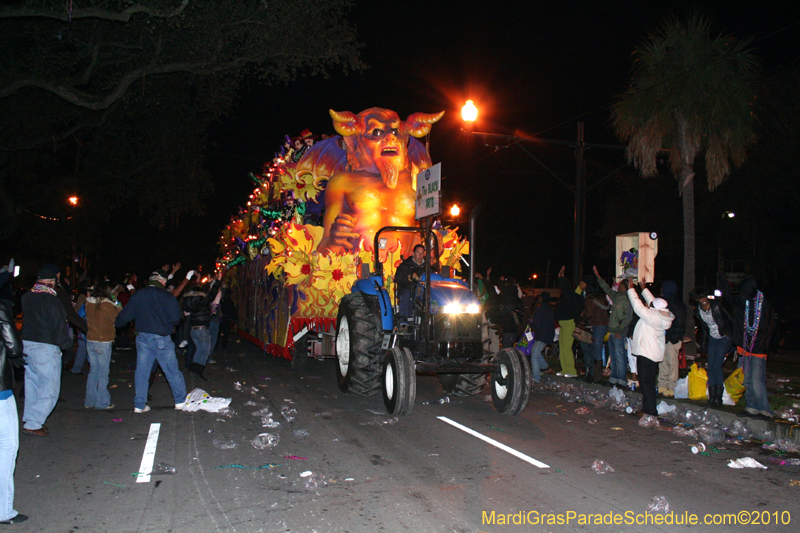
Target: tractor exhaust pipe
x=472, y=217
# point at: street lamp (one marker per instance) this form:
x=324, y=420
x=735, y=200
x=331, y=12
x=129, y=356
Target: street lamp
x=73, y=201
x=455, y=211
x=469, y=112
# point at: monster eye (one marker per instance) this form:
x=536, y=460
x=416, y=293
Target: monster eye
x=377, y=132
x=395, y=131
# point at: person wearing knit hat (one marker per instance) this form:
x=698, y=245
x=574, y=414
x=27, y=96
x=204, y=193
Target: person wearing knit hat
x=156, y=313
x=44, y=335
x=668, y=367
x=648, y=347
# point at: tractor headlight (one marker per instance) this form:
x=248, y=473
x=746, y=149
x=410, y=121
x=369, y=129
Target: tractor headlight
x=456, y=309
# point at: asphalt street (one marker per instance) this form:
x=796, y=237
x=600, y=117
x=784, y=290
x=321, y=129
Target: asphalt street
x=370, y=471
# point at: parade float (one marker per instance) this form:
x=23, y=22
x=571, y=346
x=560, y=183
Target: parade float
x=295, y=249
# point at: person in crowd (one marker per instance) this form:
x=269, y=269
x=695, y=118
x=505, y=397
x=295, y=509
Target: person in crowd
x=10, y=354
x=648, y=346
x=156, y=313
x=75, y=320
x=44, y=334
x=715, y=319
x=81, y=355
x=229, y=317
x=7, y=285
x=568, y=312
x=407, y=275
x=197, y=303
x=510, y=315
x=596, y=313
x=668, y=368
x=101, y=312
x=753, y=329
x=544, y=332
x=617, y=329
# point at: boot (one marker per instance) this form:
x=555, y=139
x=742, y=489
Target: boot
x=712, y=396
x=597, y=372
x=197, y=370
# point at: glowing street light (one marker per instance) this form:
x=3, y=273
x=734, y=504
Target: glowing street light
x=729, y=214
x=455, y=210
x=73, y=201
x=469, y=112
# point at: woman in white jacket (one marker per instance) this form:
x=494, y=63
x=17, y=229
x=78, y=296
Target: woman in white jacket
x=648, y=347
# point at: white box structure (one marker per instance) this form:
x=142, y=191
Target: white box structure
x=636, y=256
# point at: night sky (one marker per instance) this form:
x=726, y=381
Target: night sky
x=532, y=68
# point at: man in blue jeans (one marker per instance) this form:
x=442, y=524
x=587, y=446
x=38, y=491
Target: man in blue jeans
x=44, y=335
x=10, y=353
x=618, y=322
x=156, y=313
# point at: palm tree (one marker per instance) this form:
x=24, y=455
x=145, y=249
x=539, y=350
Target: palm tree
x=689, y=94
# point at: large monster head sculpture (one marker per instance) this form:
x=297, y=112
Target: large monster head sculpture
x=376, y=140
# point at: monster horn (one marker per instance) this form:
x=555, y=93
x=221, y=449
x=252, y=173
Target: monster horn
x=419, y=124
x=345, y=122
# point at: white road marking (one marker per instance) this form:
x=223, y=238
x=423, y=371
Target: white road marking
x=508, y=449
x=149, y=456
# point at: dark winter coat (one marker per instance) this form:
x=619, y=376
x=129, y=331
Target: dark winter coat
x=570, y=306
x=10, y=348
x=45, y=320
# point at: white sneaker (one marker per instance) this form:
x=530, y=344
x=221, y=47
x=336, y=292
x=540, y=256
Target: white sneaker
x=139, y=411
x=179, y=406
x=559, y=373
x=570, y=375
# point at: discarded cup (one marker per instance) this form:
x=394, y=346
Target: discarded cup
x=698, y=448
x=265, y=440
x=444, y=400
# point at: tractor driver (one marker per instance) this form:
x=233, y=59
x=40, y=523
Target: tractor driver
x=406, y=277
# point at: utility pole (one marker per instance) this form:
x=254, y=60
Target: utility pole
x=577, y=240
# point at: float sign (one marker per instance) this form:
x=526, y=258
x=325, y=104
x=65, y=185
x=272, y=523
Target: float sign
x=429, y=187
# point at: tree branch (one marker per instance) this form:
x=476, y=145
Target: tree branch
x=92, y=121
x=66, y=16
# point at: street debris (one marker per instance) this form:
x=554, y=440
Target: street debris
x=163, y=469
x=296, y=458
x=265, y=440
x=301, y=433
x=223, y=444
x=199, y=399
x=262, y=467
x=601, y=467
x=745, y=462
x=659, y=504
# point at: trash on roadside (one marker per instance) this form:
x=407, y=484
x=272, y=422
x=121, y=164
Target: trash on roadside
x=681, y=431
x=745, y=462
x=378, y=421
x=548, y=414
x=237, y=385
x=109, y=483
x=288, y=413
x=710, y=434
x=116, y=420
x=648, y=421
x=324, y=413
x=664, y=408
x=668, y=474
x=601, y=467
x=659, y=504
x=262, y=467
x=265, y=440
x=583, y=411
x=698, y=448
x=296, y=458
x=224, y=444
x=591, y=421
x=199, y=399
x=306, y=473
x=314, y=482
x=163, y=469
x=301, y=433
x=250, y=403
x=444, y=400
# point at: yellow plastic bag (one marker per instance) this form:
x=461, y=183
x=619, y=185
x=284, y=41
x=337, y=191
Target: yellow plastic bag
x=698, y=383
x=735, y=385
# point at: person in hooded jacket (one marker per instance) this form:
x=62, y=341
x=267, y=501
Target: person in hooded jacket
x=715, y=319
x=753, y=328
x=668, y=368
x=617, y=329
x=648, y=346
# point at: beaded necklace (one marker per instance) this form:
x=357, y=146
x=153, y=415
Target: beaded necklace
x=751, y=331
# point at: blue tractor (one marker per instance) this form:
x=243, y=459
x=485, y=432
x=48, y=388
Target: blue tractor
x=378, y=350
